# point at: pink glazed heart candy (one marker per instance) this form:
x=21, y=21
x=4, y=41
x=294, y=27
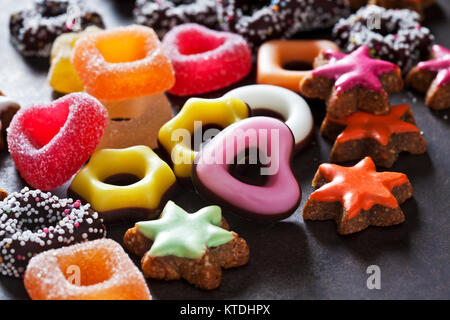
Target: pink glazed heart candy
x=205, y=60
x=49, y=143
x=260, y=145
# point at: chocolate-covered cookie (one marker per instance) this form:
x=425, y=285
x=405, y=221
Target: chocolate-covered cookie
x=32, y=221
x=34, y=29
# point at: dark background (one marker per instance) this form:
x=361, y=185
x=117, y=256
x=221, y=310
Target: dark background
x=292, y=259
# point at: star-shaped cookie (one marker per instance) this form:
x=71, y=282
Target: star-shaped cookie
x=357, y=197
x=433, y=77
x=381, y=137
x=351, y=82
x=191, y=246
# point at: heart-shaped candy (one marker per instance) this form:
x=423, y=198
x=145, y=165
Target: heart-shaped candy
x=218, y=174
x=205, y=60
x=49, y=143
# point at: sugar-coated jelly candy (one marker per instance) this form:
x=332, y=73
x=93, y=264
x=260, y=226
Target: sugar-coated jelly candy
x=62, y=75
x=135, y=122
x=122, y=63
x=205, y=60
x=94, y=270
x=49, y=143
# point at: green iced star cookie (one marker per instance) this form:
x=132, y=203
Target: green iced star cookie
x=185, y=235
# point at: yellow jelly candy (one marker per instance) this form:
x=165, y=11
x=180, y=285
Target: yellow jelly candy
x=176, y=135
x=62, y=75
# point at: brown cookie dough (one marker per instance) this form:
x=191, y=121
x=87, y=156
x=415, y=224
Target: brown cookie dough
x=380, y=137
x=8, y=109
x=357, y=197
x=341, y=103
x=204, y=272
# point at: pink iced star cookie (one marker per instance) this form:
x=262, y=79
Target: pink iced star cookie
x=433, y=77
x=351, y=82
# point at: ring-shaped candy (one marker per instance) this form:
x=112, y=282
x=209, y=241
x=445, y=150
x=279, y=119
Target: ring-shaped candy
x=105, y=272
x=275, y=199
x=122, y=63
x=142, y=199
x=290, y=107
x=274, y=55
x=219, y=113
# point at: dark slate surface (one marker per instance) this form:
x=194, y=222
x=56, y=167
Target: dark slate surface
x=293, y=259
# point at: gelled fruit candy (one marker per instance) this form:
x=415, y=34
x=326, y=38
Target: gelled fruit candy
x=122, y=63
x=50, y=143
x=205, y=60
x=94, y=270
x=62, y=75
x=135, y=122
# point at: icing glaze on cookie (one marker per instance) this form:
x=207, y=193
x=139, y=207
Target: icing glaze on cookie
x=359, y=187
x=356, y=68
x=362, y=125
x=185, y=235
x=440, y=64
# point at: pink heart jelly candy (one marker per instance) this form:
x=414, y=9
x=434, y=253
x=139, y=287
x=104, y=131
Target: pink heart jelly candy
x=49, y=143
x=205, y=60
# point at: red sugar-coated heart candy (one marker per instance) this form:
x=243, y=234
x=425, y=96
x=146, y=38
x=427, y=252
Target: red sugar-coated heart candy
x=205, y=60
x=49, y=143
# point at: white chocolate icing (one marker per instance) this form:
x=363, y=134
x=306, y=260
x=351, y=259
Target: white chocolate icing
x=5, y=101
x=287, y=103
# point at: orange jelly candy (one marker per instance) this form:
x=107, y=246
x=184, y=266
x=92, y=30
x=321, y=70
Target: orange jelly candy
x=122, y=63
x=94, y=270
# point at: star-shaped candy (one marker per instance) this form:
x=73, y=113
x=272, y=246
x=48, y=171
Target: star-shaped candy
x=352, y=81
x=191, y=246
x=357, y=196
x=381, y=137
x=433, y=77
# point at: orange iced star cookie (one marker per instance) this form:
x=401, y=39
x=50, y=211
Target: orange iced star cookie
x=357, y=196
x=381, y=137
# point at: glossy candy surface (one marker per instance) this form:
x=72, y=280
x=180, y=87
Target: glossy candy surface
x=176, y=135
x=154, y=178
